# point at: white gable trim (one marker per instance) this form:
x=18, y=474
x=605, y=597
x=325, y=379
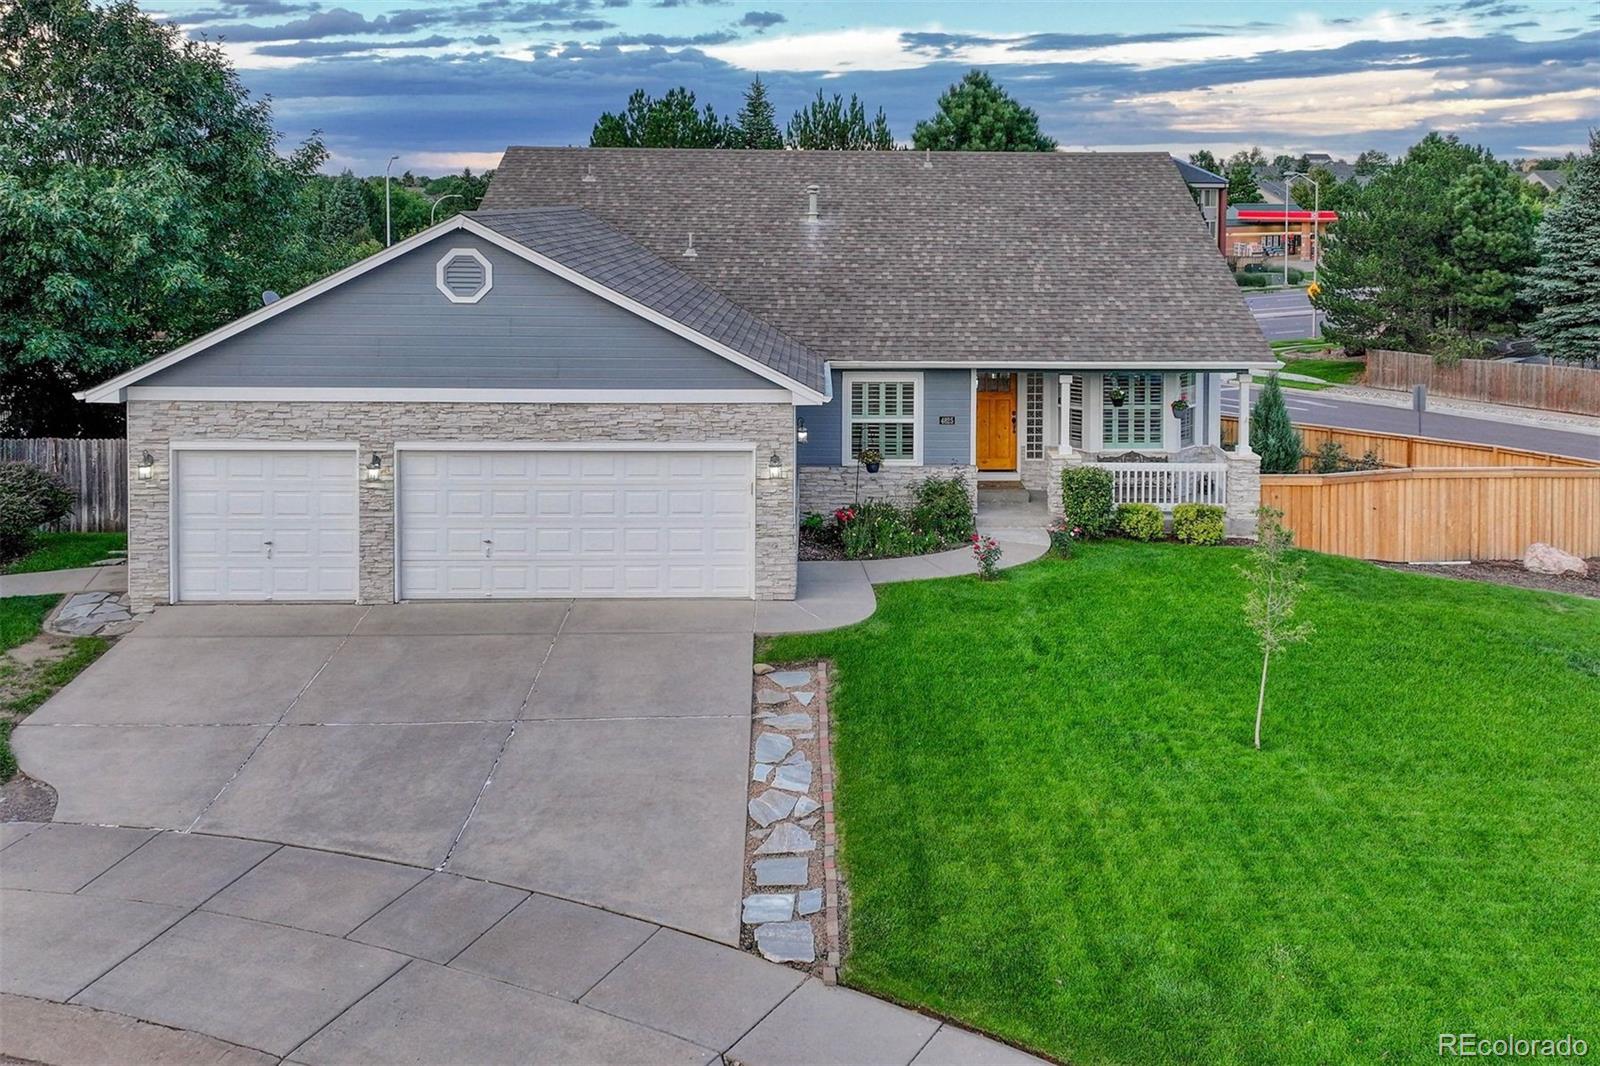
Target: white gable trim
x=114, y=391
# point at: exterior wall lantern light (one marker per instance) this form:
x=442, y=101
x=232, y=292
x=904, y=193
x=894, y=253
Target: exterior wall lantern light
x=775, y=465
x=375, y=468
x=801, y=433
x=147, y=466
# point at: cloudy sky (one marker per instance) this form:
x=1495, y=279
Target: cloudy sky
x=451, y=84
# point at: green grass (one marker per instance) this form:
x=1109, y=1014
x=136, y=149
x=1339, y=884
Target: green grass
x=1054, y=827
x=63, y=551
x=1334, y=371
x=24, y=687
x=21, y=618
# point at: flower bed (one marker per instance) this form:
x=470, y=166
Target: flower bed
x=941, y=518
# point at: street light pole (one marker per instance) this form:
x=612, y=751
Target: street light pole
x=1316, y=220
x=440, y=200
x=388, y=228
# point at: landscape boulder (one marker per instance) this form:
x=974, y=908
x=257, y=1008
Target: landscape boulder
x=1545, y=559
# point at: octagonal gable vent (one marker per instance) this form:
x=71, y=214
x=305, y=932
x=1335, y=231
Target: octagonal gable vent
x=464, y=276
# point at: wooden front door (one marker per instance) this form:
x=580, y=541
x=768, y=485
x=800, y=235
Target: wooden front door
x=997, y=421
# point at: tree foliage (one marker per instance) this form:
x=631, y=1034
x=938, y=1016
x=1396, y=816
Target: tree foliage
x=1429, y=248
x=834, y=124
x=977, y=115
x=674, y=121
x=758, y=119
x=1565, y=285
x=1242, y=187
x=1272, y=432
x=142, y=202
x=1206, y=161
x=1276, y=576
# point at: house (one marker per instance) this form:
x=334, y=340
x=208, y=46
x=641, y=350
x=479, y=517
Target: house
x=631, y=372
x=1550, y=181
x=1211, y=194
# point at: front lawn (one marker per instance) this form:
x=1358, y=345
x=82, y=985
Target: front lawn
x=1333, y=371
x=64, y=551
x=26, y=685
x=1054, y=827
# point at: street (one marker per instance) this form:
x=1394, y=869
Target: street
x=1284, y=316
x=1317, y=409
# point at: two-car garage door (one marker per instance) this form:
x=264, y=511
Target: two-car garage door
x=512, y=522
x=603, y=523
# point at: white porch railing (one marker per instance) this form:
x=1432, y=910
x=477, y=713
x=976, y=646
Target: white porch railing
x=1168, y=484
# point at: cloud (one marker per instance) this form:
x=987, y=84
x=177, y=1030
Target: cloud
x=317, y=49
x=761, y=20
x=664, y=40
x=485, y=39
x=336, y=22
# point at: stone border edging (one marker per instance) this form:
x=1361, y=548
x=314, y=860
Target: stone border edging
x=834, y=958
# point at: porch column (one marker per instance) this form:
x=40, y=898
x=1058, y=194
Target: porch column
x=1171, y=431
x=1244, y=411
x=1064, y=410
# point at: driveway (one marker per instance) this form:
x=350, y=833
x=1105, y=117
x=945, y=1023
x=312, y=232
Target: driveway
x=591, y=750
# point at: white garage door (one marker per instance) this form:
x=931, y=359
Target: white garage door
x=265, y=525
x=575, y=523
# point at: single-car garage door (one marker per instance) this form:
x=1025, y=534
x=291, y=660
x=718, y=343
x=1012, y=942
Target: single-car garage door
x=265, y=524
x=527, y=522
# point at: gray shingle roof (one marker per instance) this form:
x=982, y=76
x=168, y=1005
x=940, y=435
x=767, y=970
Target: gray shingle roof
x=1199, y=176
x=576, y=239
x=980, y=257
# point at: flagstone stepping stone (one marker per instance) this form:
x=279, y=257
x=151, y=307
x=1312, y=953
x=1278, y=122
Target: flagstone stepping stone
x=791, y=678
x=787, y=839
x=767, y=907
x=805, y=698
x=810, y=901
x=804, y=806
x=786, y=942
x=771, y=806
x=780, y=872
x=796, y=756
x=763, y=668
x=808, y=823
x=761, y=771
x=772, y=699
x=794, y=777
x=772, y=747
x=787, y=721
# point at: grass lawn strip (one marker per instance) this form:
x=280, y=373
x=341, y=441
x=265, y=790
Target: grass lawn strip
x=67, y=551
x=26, y=683
x=1053, y=826
x=1333, y=371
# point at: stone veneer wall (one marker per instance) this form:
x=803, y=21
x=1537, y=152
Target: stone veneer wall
x=153, y=424
x=1035, y=475
x=824, y=489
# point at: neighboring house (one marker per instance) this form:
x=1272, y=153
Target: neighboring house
x=633, y=371
x=1211, y=194
x=1550, y=181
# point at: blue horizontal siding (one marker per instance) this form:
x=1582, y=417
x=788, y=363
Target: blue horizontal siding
x=392, y=328
x=946, y=393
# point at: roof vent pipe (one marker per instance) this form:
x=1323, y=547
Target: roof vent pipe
x=689, y=252
x=588, y=175
x=811, y=201
x=927, y=159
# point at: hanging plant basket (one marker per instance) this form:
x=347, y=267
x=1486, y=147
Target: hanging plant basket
x=872, y=459
x=1179, y=406
x=1117, y=397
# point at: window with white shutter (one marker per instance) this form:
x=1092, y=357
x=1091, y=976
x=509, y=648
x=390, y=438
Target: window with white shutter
x=880, y=412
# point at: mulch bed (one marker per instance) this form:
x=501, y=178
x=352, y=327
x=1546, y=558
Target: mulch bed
x=1512, y=573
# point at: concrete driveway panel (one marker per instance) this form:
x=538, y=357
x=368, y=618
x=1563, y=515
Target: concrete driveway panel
x=149, y=775
x=431, y=1014
x=263, y=986
x=396, y=792
x=179, y=869
x=703, y=992
x=553, y=946
x=443, y=619
x=251, y=620
x=33, y=1030
x=439, y=917
x=644, y=675
x=417, y=678
x=11, y=832
x=661, y=616
x=823, y=1026
x=64, y=858
x=57, y=944
x=957, y=1047
x=190, y=681
x=318, y=891
x=645, y=817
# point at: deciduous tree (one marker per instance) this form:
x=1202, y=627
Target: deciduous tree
x=1276, y=576
x=977, y=115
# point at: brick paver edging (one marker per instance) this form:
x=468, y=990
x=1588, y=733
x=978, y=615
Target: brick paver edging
x=830, y=833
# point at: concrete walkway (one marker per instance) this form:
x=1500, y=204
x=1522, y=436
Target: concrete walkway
x=308, y=956
x=835, y=594
x=82, y=579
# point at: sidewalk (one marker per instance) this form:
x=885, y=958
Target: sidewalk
x=83, y=579
x=1493, y=412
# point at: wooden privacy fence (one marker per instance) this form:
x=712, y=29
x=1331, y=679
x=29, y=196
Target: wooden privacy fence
x=95, y=470
x=1400, y=449
x=1551, y=388
x=1429, y=515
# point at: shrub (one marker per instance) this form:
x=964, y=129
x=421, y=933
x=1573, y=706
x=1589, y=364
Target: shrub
x=1139, y=521
x=29, y=498
x=1062, y=535
x=987, y=551
x=1198, y=523
x=1272, y=434
x=944, y=508
x=1086, y=499
x=878, y=530
x=1252, y=280
x=1330, y=458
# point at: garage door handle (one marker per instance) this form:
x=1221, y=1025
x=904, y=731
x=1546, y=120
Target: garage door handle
x=268, y=545
x=488, y=549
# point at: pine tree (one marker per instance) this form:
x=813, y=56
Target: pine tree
x=1565, y=285
x=977, y=115
x=1490, y=247
x=1272, y=434
x=758, y=120
x=838, y=126
x=674, y=121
